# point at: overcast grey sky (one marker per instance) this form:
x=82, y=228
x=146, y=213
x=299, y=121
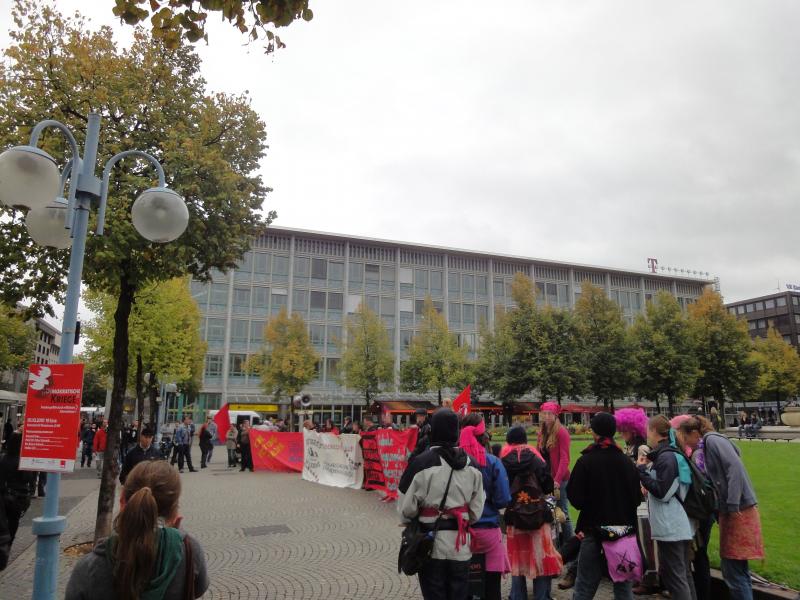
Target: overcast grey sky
x=595, y=132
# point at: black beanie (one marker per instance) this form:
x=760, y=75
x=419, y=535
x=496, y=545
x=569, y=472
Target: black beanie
x=517, y=435
x=444, y=428
x=604, y=424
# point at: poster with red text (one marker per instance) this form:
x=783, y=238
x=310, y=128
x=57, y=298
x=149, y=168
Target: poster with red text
x=52, y=418
x=274, y=451
x=393, y=448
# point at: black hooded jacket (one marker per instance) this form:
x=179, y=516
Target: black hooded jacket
x=522, y=462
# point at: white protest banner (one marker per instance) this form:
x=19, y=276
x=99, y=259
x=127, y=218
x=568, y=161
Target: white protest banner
x=333, y=459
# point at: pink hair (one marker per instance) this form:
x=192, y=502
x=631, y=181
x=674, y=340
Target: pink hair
x=550, y=407
x=675, y=422
x=632, y=419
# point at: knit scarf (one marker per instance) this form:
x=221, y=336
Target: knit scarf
x=468, y=441
x=603, y=443
x=518, y=448
x=684, y=471
x=170, y=554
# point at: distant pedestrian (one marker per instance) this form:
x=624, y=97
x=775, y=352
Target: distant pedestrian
x=357, y=427
x=347, y=425
x=443, y=476
x=230, y=444
x=531, y=550
x=740, y=536
x=716, y=420
x=16, y=489
x=212, y=429
x=87, y=439
x=387, y=423
x=604, y=487
x=147, y=556
x=487, y=539
x=206, y=445
x=330, y=427
x=423, y=425
x=183, y=437
x=8, y=429
x=144, y=451
x=243, y=443
x=369, y=423
x=100, y=442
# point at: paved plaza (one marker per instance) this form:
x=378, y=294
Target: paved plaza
x=266, y=535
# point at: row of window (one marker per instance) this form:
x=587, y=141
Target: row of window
x=762, y=305
x=781, y=322
x=326, y=370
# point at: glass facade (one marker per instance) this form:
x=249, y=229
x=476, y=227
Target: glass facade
x=324, y=278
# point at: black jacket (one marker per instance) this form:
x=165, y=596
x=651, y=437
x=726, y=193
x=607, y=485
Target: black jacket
x=423, y=438
x=134, y=457
x=604, y=486
x=87, y=437
x=665, y=467
x=524, y=462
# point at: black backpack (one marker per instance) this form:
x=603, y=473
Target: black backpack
x=528, y=509
x=701, y=499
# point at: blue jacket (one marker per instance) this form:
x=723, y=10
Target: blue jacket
x=496, y=488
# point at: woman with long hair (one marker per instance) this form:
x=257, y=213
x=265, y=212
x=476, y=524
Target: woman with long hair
x=740, y=538
x=487, y=538
x=147, y=557
x=531, y=551
x=553, y=444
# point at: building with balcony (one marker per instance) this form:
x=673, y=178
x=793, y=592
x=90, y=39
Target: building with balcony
x=325, y=276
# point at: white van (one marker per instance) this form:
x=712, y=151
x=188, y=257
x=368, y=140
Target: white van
x=237, y=416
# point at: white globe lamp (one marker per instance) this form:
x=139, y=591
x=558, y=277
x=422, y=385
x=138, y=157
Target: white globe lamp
x=160, y=215
x=29, y=178
x=46, y=225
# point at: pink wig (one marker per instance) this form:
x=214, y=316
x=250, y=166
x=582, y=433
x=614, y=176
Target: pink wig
x=675, y=422
x=632, y=419
x=550, y=407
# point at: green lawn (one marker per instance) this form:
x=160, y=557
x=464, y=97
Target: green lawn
x=775, y=471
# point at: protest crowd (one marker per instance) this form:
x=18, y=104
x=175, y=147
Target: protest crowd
x=647, y=491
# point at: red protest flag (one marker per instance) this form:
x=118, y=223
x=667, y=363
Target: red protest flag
x=462, y=404
x=223, y=421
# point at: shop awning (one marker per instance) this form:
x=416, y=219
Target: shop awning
x=405, y=406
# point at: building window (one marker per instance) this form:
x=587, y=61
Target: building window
x=468, y=287
x=468, y=315
x=388, y=276
x=317, y=306
x=732, y=310
x=241, y=300
x=752, y=325
x=260, y=300
x=453, y=285
x=768, y=304
x=199, y=292
x=219, y=297
x=261, y=264
x=239, y=331
x=563, y=294
x=421, y=282
x=481, y=287
x=541, y=295
x=280, y=268
x=279, y=299
x=213, y=366
x=498, y=288
x=388, y=308
x=372, y=275
x=300, y=302
x=406, y=281
x=419, y=310
x=436, y=283
x=406, y=336
x=482, y=314
x=787, y=338
x=319, y=271
x=317, y=334
x=356, y=282
x=454, y=309
x=373, y=303
x=334, y=337
x=215, y=331
x=780, y=301
x=335, y=275
x=740, y=309
x=302, y=270
x=552, y=294
x=796, y=300
x=332, y=372
x=243, y=272
x=335, y=306
x=256, y=333
x=237, y=365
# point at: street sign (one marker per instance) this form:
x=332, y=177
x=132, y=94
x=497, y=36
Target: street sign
x=52, y=418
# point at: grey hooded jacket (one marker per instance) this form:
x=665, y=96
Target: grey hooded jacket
x=725, y=468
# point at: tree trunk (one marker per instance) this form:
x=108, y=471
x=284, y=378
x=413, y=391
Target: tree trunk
x=105, y=500
x=291, y=413
x=658, y=405
x=139, y=394
x=670, y=406
x=153, y=401
x=777, y=407
x=440, y=396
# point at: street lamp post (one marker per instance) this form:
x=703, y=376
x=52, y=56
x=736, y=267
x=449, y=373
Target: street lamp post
x=29, y=179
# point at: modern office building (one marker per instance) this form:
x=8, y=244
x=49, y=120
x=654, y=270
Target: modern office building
x=780, y=310
x=324, y=277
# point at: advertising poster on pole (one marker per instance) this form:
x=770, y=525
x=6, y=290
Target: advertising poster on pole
x=52, y=418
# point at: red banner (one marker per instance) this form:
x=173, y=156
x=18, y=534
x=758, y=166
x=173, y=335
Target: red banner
x=273, y=451
x=385, y=453
x=52, y=418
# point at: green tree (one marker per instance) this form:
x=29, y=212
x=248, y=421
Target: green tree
x=287, y=362
x=151, y=98
x=435, y=360
x=173, y=19
x=164, y=339
x=367, y=359
x=17, y=340
x=492, y=374
x=602, y=328
x=94, y=383
x=778, y=368
x=722, y=348
x=562, y=371
x=664, y=359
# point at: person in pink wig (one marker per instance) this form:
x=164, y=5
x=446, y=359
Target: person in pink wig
x=632, y=427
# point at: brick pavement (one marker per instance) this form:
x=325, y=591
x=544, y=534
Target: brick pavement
x=314, y=542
